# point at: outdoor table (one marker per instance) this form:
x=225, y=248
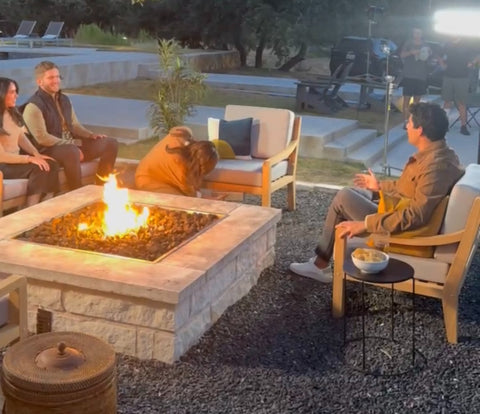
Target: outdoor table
x=395, y=272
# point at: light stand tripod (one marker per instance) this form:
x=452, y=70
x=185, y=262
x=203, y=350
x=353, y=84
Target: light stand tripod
x=389, y=86
x=372, y=12
x=386, y=168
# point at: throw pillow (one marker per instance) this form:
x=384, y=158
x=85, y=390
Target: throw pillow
x=224, y=150
x=237, y=134
x=430, y=229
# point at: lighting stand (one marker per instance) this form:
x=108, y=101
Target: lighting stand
x=370, y=23
x=386, y=168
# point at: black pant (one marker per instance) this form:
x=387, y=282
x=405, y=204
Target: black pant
x=68, y=156
x=39, y=181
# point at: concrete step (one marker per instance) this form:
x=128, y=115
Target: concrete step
x=373, y=151
x=319, y=131
x=350, y=142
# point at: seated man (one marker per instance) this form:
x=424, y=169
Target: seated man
x=50, y=116
x=427, y=178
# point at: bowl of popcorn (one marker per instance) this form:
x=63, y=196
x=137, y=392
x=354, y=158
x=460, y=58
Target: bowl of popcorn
x=369, y=260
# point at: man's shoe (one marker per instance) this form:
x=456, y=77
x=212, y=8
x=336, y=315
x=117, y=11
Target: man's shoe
x=464, y=130
x=308, y=269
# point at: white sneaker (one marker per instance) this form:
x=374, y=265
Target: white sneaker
x=308, y=269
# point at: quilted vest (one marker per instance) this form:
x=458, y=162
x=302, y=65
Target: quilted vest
x=53, y=120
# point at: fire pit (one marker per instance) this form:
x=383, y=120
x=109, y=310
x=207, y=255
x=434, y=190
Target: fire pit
x=146, y=308
x=164, y=231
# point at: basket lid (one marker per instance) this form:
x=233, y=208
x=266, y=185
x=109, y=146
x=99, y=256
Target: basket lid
x=58, y=362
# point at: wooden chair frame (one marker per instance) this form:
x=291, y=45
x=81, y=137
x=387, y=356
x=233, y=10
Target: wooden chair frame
x=448, y=292
x=15, y=287
x=290, y=153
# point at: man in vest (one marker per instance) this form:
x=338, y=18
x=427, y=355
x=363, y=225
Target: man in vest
x=50, y=117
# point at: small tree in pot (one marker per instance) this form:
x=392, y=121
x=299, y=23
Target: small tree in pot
x=178, y=87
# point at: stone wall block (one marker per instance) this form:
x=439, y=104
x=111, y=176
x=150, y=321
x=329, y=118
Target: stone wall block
x=190, y=334
x=164, y=347
x=120, y=309
x=45, y=297
x=145, y=343
x=121, y=337
x=236, y=292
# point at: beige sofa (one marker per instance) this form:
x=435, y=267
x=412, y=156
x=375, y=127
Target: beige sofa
x=13, y=192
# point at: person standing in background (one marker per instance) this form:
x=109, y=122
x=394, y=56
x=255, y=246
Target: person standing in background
x=415, y=54
x=457, y=61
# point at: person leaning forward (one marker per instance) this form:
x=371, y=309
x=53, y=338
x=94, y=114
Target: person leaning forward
x=50, y=116
x=426, y=179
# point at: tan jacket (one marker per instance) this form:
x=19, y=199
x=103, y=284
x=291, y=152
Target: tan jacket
x=427, y=177
x=164, y=172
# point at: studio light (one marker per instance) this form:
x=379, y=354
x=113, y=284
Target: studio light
x=457, y=22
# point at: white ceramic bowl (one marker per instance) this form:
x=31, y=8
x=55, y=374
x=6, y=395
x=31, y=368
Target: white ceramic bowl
x=371, y=266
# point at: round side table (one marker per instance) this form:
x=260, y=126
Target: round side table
x=396, y=271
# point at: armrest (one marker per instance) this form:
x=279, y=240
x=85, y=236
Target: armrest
x=438, y=240
x=281, y=155
x=11, y=283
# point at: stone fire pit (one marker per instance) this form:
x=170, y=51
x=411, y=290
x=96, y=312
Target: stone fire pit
x=144, y=309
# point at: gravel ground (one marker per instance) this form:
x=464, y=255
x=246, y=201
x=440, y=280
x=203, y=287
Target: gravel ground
x=278, y=350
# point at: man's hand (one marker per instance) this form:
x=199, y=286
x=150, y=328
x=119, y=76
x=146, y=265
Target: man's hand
x=368, y=181
x=350, y=228
x=82, y=157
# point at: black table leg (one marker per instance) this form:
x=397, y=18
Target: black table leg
x=413, y=321
x=363, y=326
x=392, y=314
x=344, y=309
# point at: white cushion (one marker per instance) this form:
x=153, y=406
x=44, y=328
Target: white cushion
x=244, y=172
x=459, y=205
x=273, y=131
x=15, y=187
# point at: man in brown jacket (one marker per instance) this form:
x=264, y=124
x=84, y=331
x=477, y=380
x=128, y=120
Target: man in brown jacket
x=427, y=178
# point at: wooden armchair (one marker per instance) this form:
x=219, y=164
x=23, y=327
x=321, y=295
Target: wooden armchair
x=441, y=276
x=275, y=142
x=13, y=309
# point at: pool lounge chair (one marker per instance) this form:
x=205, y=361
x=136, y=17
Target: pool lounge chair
x=24, y=32
x=52, y=34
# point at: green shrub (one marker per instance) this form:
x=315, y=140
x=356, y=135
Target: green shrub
x=178, y=87
x=92, y=34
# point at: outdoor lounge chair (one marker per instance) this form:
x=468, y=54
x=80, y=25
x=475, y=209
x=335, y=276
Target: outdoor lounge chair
x=52, y=34
x=442, y=275
x=274, y=136
x=24, y=32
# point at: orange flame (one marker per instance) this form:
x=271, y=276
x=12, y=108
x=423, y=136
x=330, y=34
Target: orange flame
x=119, y=217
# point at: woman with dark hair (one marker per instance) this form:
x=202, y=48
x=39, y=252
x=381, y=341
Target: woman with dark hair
x=177, y=164
x=40, y=170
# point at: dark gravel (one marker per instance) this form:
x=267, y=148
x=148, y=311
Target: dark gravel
x=278, y=350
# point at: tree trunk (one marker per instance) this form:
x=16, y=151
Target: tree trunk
x=242, y=52
x=289, y=64
x=259, y=51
